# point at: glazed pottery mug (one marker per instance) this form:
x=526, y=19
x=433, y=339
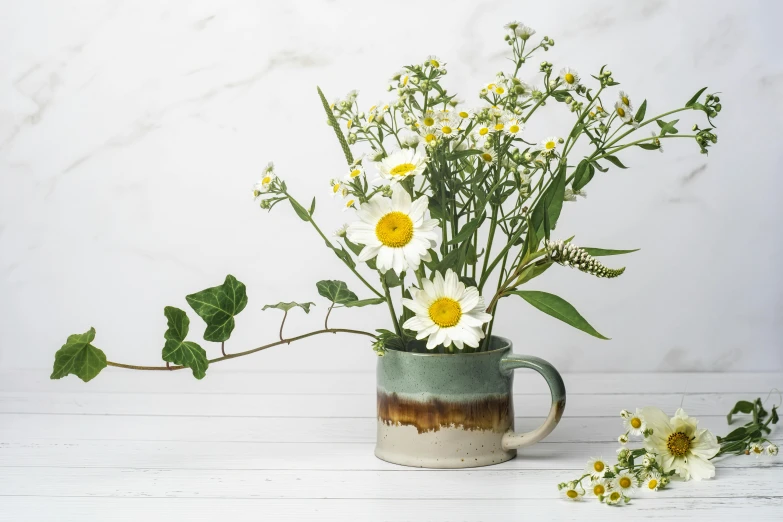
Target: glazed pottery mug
x=438, y=410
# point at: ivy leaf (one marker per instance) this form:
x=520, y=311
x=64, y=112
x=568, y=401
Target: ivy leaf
x=79, y=357
x=695, y=97
x=641, y=112
x=336, y=291
x=599, y=252
x=558, y=308
x=217, y=306
x=364, y=302
x=287, y=306
x=179, y=351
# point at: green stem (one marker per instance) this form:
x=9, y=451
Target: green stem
x=397, y=328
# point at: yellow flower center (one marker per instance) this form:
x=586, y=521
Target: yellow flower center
x=355, y=173
x=499, y=89
x=446, y=129
x=652, y=484
x=615, y=496
x=624, y=482
x=350, y=203
x=486, y=156
x=394, y=230
x=429, y=137
x=499, y=126
x=636, y=423
x=483, y=131
x=625, y=100
x=445, y=312
x=621, y=112
x=463, y=114
x=335, y=188
x=429, y=122
x=404, y=80
x=598, y=466
x=267, y=180
x=598, y=489
x=757, y=449
x=514, y=129
x=572, y=494
x=349, y=124
x=569, y=78
x=435, y=63
x=550, y=145
x=678, y=444
x=402, y=169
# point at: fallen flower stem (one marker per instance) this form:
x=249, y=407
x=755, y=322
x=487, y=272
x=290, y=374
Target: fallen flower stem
x=248, y=352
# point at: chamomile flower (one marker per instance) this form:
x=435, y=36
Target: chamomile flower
x=624, y=482
x=446, y=127
x=351, y=203
x=462, y=114
x=625, y=99
x=598, y=488
x=653, y=481
x=427, y=119
x=570, y=78
x=428, y=135
x=356, y=172
x=548, y=146
x=772, y=450
x=623, y=112
x=340, y=232
x=402, y=164
x=482, y=130
x=756, y=449
x=446, y=312
x=634, y=423
x=520, y=30
x=597, y=468
x=396, y=231
x=488, y=156
x=570, y=492
x=496, y=88
x=613, y=498
x=514, y=126
x=265, y=184
x=337, y=189
x=434, y=62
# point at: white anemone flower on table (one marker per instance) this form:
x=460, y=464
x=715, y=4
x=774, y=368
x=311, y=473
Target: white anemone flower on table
x=401, y=164
x=679, y=444
x=447, y=312
x=396, y=231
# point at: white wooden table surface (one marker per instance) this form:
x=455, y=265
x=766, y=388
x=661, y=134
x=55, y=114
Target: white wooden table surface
x=282, y=446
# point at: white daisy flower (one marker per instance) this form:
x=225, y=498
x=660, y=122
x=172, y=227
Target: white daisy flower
x=623, y=439
x=624, y=482
x=514, y=126
x=597, y=468
x=428, y=119
x=625, y=99
x=351, y=203
x=496, y=88
x=488, y=156
x=463, y=114
x=447, y=312
x=520, y=30
x=757, y=450
x=623, y=112
x=428, y=135
x=482, y=129
x=402, y=164
x=571, y=194
x=446, y=127
x=570, y=492
x=340, y=232
x=681, y=446
x=337, y=190
x=356, y=172
x=570, y=78
x=634, y=423
x=772, y=450
x=548, y=146
x=598, y=488
x=614, y=498
x=265, y=184
x=434, y=61
x=653, y=481
x=395, y=231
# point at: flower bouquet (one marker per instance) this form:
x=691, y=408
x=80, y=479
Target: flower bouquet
x=453, y=208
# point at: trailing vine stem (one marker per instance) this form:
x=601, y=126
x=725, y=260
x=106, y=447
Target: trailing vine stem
x=248, y=352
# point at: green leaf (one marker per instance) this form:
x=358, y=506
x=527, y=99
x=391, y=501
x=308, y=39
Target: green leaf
x=558, y=308
x=667, y=128
x=740, y=407
x=365, y=302
x=179, y=351
x=737, y=434
x=600, y=252
x=287, y=306
x=695, y=97
x=344, y=256
x=614, y=160
x=392, y=279
x=532, y=271
x=312, y=207
x=463, y=154
x=299, y=209
x=549, y=206
x=641, y=112
x=599, y=166
x=648, y=146
x=336, y=291
x=79, y=357
x=581, y=175
x=217, y=306
x=467, y=229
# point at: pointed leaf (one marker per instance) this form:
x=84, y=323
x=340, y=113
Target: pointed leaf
x=615, y=160
x=641, y=112
x=179, y=351
x=287, y=306
x=299, y=209
x=549, y=206
x=79, y=357
x=217, y=306
x=365, y=302
x=312, y=207
x=695, y=97
x=336, y=291
x=558, y=308
x=598, y=252
x=467, y=229
x=648, y=146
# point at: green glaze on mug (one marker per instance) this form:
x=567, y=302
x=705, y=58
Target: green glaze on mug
x=456, y=410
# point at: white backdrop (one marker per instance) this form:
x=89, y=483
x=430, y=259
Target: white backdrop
x=131, y=134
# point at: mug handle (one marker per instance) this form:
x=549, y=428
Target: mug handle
x=512, y=440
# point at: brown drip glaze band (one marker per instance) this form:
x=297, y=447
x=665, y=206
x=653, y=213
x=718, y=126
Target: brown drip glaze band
x=494, y=413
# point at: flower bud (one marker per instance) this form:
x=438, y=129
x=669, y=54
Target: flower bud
x=623, y=439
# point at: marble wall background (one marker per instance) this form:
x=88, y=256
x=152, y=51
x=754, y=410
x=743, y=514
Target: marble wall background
x=132, y=132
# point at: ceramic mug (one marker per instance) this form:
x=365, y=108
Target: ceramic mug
x=456, y=410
